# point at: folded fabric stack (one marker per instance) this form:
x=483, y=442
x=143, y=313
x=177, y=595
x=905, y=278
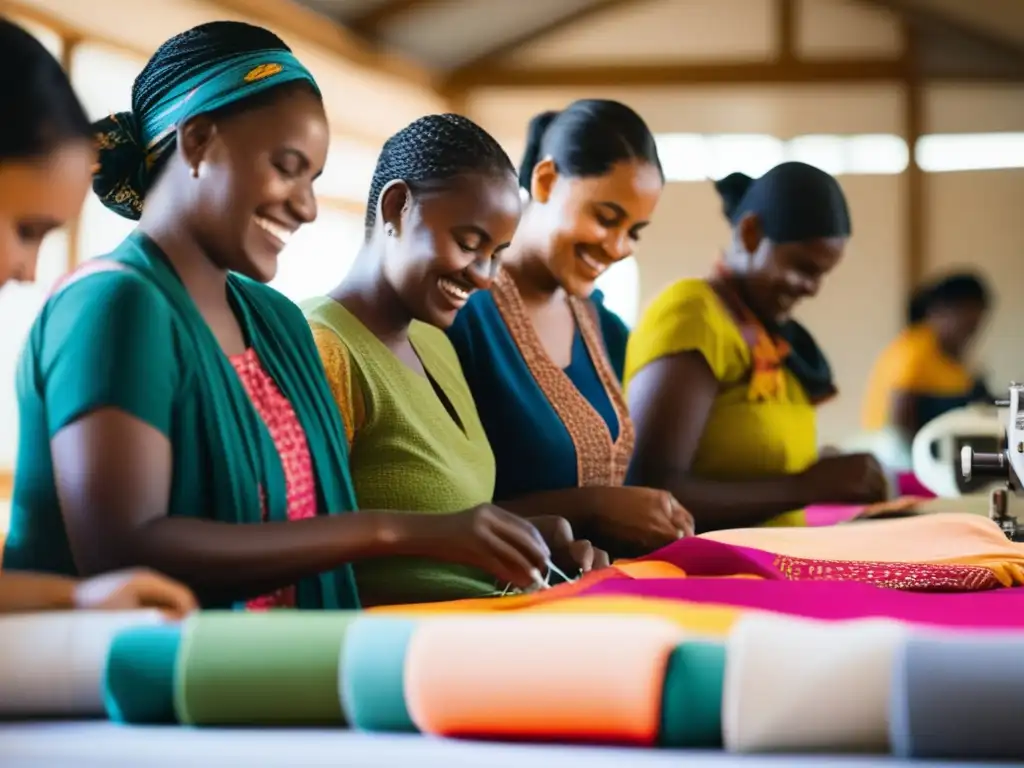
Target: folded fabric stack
x=704, y=644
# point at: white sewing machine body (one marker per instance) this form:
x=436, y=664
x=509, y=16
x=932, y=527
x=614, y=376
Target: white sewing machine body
x=1005, y=465
x=936, y=448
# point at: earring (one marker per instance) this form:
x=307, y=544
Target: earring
x=389, y=230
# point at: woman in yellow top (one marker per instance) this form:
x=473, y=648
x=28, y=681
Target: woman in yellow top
x=722, y=383
x=922, y=373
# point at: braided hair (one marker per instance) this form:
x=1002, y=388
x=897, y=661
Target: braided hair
x=42, y=111
x=586, y=139
x=431, y=151
x=175, y=62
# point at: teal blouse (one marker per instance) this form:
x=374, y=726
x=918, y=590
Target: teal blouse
x=125, y=334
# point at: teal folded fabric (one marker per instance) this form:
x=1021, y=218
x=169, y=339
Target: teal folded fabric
x=275, y=667
x=372, y=674
x=138, y=682
x=691, y=703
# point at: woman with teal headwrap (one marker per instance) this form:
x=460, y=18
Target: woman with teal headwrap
x=174, y=410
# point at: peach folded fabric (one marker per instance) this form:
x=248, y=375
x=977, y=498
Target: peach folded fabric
x=580, y=678
x=796, y=685
x=940, y=539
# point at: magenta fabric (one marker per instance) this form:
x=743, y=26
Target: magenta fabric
x=705, y=557
x=833, y=600
x=909, y=485
x=818, y=515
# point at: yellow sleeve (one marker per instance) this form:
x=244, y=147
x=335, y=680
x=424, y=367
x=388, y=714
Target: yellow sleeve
x=345, y=390
x=685, y=317
x=909, y=369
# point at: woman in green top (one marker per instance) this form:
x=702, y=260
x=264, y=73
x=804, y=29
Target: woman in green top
x=443, y=205
x=46, y=155
x=174, y=410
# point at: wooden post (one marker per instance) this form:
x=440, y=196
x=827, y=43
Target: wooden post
x=916, y=242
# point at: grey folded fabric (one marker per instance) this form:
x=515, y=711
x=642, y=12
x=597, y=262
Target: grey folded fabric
x=959, y=696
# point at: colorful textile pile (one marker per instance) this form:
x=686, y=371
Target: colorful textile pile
x=704, y=644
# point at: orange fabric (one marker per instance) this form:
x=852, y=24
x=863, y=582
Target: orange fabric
x=704, y=619
x=649, y=569
x=480, y=677
x=509, y=603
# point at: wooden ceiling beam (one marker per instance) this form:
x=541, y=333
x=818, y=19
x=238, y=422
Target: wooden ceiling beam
x=289, y=17
x=369, y=23
x=684, y=74
x=914, y=15
x=494, y=55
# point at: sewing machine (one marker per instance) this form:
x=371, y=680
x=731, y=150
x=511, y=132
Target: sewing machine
x=1007, y=465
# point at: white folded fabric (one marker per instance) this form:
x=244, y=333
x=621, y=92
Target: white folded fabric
x=800, y=685
x=52, y=664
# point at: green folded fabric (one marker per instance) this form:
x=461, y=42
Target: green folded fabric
x=372, y=674
x=138, y=682
x=278, y=667
x=691, y=704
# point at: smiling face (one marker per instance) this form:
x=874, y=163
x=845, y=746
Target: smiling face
x=593, y=222
x=789, y=272
x=38, y=196
x=256, y=170
x=442, y=245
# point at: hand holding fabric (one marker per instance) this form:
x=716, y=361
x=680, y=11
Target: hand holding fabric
x=135, y=589
x=568, y=553
x=855, y=478
x=645, y=518
x=486, y=537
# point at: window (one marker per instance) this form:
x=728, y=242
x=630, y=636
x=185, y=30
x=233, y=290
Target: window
x=970, y=151
x=620, y=285
x=695, y=157
x=319, y=255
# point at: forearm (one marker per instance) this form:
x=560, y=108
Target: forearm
x=721, y=504
x=577, y=505
x=22, y=592
x=225, y=561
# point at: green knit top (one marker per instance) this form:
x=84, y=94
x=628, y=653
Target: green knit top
x=409, y=452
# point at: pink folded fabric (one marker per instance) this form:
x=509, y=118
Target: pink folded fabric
x=997, y=610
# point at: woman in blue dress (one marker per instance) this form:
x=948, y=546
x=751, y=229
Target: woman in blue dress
x=542, y=354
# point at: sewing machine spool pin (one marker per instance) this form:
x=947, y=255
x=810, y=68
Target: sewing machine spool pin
x=1007, y=464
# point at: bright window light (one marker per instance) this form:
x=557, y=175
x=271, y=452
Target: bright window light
x=877, y=153
x=970, y=151
x=684, y=156
x=752, y=154
x=825, y=152
x=620, y=285
x=320, y=255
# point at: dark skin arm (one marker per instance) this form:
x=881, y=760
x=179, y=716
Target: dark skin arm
x=904, y=414
x=670, y=401
x=573, y=504
x=113, y=475
x=21, y=592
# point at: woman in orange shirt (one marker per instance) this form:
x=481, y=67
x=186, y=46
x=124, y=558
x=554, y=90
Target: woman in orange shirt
x=924, y=372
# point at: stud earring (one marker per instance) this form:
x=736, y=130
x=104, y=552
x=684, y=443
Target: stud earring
x=389, y=230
